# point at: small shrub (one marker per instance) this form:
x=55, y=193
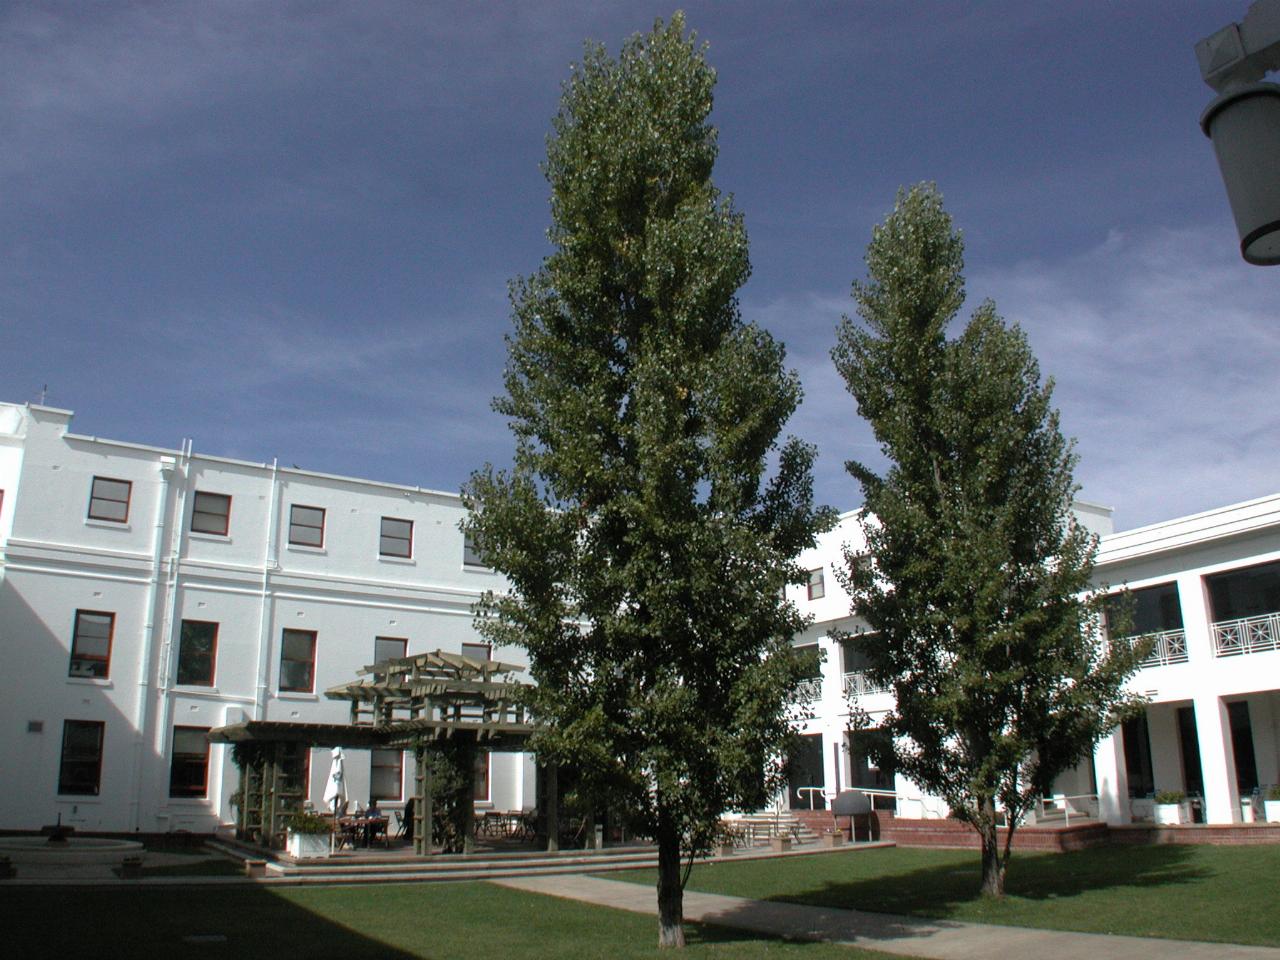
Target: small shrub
x=1170, y=796
x=305, y=821
x=1273, y=793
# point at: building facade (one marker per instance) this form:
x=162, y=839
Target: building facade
x=148, y=595
x=1205, y=587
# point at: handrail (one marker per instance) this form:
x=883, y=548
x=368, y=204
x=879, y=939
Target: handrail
x=811, y=791
x=1065, y=800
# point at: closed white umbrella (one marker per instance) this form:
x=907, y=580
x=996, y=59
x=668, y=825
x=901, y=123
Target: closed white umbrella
x=335, y=789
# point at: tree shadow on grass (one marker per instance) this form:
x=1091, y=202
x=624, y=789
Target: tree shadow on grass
x=240, y=922
x=941, y=891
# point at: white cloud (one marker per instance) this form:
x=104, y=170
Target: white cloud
x=1164, y=348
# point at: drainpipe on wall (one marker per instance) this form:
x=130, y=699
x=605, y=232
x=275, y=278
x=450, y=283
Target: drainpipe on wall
x=167, y=468
x=270, y=562
x=165, y=629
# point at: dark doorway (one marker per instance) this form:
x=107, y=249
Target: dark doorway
x=804, y=769
x=1189, y=743
x=1137, y=757
x=1242, y=746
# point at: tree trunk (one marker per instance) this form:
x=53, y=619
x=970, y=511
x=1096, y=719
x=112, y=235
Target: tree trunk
x=993, y=864
x=670, y=891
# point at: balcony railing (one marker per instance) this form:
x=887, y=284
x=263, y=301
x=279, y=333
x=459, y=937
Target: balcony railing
x=1231, y=638
x=860, y=685
x=1170, y=647
x=810, y=689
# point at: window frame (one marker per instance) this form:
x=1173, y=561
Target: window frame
x=67, y=786
x=76, y=634
x=471, y=552
x=383, y=537
x=488, y=649
x=188, y=761
x=294, y=524
x=821, y=584
x=95, y=497
x=375, y=766
x=213, y=655
x=311, y=663
x=197, y=512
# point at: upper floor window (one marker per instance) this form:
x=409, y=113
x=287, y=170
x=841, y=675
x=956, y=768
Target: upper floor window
x=91, y=644
x=189, y=768
x=109, y=499
x=396, y=538
x=478, y=651
x=298, y=661
x=1149, y=610
x=211, y=513
x=197, y=653
x=389, y=648
x=80, y=769
x=1251, y=592
x=817, y=586
x=471, y=551
x=306, y=526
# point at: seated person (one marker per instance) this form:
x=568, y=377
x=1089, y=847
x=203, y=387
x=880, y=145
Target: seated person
x=372, y=812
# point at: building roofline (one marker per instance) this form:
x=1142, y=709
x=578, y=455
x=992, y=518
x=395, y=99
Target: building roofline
x=1219, y=523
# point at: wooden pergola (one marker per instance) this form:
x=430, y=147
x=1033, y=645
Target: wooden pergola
x=408, y=703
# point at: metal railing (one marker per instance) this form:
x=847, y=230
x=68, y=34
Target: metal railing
x=1232, y=638
x=1170, y=647
x=1085, y=806
x=809, y=689
x=860, y=685
x=812, y=791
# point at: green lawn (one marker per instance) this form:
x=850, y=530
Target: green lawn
x=387, y=922
x=1180, y=892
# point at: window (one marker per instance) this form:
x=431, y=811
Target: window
x=109, y=499
x=80, y=772
x=817, y=586
x=91, y=644
x=396, y=538
x=386, y=774
x=211, y=513
x=1251, y=592
x=471, y=551
x=197, y=653
x=298, y=660
x=478, y=651
x=389, y=648
x=189, y=771
x=1150, y=610
x=306, y=526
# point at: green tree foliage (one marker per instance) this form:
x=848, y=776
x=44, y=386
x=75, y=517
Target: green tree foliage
x=975, y=580
x=651, y=518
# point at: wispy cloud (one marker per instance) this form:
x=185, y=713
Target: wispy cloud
x=1163, y=347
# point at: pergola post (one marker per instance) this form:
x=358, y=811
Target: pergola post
x=553, y=807
x=422, y=812
x=468, y=763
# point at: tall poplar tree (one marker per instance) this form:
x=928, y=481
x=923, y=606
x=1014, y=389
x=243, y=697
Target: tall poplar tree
x=652, y=517
x=975, y=580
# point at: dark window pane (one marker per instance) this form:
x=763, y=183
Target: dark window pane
x=306, y=526
x=388, y=648
x=297, y=660
x=189, y=770
x=197, y=649
x=109, y=499
x=211, y=513
x=81, y=767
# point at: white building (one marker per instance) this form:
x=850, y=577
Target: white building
x=1207, y=585
x=147, y=595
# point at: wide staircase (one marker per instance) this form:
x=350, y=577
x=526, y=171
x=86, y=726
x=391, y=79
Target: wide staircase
x=762, y=826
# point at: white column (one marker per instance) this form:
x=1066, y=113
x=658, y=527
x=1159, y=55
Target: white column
x=1217, y=760
x=1113, y=781
x=1195, y=620
x=1166, y=756
x=1263, y=720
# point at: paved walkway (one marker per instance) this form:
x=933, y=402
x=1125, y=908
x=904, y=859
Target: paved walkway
x=908, y=936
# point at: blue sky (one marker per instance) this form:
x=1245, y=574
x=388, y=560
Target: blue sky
x=286, y=229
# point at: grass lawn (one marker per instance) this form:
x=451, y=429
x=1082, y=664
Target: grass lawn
x=388, y=922
x=1180, y=892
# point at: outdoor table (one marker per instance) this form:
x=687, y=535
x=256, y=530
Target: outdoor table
x=366, y=830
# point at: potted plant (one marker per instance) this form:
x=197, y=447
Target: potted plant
x=307, y=835
x=1172, y=807
x=1271, y=805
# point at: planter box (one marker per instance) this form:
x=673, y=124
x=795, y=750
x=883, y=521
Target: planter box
x=1172, y=814
x=833, y=839
x=780, y=844
x=724, y=850
x=1271, y=808
x=306, y=846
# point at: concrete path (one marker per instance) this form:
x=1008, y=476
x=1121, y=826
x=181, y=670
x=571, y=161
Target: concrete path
x=908, y=936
